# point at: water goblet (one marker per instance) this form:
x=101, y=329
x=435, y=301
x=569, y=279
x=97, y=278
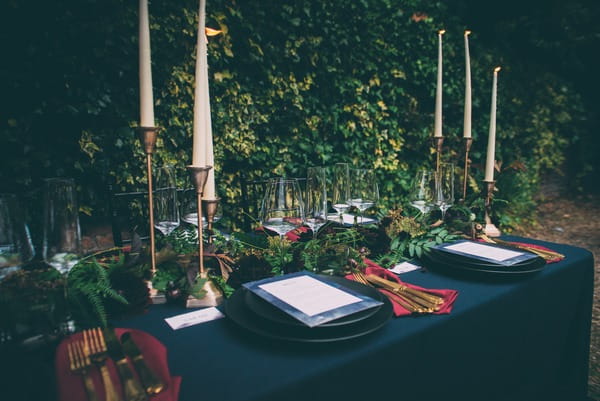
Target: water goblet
x=316, y=199
x=282, y=209
x=364, y=191
x=16, y=247
x=166, y=208
x=61, y=245
x=341, y=188
x=444, y=187
x=423, y=190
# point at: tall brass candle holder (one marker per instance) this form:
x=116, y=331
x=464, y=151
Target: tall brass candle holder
x=213, y=297
x=147, y=136
x=439, y=141
x=468, y=143
x=210, y=207
x=490, y=229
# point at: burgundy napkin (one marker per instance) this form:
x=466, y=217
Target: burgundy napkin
x=70, y=386
x=448, y=295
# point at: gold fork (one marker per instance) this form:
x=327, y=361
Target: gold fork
x=428, y=301
x=80, y=363
x=95, y=344
x=403, y=301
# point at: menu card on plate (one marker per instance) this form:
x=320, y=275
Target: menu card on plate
x=309, y=298
x=486, y=252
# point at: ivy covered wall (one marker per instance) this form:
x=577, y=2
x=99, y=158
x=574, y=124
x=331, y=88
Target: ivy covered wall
x=293, y=84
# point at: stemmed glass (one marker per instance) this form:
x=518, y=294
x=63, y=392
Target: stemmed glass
x=166, y=211
x=316, y=198
x=423, y=190
x=341, y=188
x=282, y=209
x=444, y=187
x=364, y=191
x=16, y=247
x=61, y=245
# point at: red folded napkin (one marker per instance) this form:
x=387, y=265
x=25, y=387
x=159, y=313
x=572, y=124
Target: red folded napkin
x=70, y=386
x=448, y=295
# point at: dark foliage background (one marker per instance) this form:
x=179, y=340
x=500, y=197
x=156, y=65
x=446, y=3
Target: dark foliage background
x=297, y=83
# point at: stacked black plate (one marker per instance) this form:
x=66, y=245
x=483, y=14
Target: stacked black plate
x=253, y=313
x=438, y=258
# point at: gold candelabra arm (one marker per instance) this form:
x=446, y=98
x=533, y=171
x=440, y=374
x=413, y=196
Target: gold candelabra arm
x=147, y=136
x=468, y=143
x=490, y=229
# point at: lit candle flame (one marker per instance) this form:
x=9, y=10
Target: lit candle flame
x=212, y=32
x=441, y=31
x=497, y=69
x=467, y=33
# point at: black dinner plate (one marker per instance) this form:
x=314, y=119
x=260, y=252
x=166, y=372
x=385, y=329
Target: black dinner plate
x=477, y=264
x=434, y=261
x=239, y=313
x=270, y=312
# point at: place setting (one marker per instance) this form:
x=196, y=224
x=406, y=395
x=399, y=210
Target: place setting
x=114, y=364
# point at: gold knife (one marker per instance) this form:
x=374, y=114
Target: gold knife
x=150, y=381
x=132, y=388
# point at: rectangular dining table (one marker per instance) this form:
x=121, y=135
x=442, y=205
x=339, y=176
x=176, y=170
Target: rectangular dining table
x=526, y=338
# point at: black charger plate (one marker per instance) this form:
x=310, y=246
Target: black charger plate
x=467, y=262
x=242, y=315
x=434, y=261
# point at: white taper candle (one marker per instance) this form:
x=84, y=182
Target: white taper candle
x=491, y=148
x=145, y=68
x=437, y=128
x=468, y=105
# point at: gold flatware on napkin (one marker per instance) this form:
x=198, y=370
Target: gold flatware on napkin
x=427, y=302
x=79, y=363
x=94, y=342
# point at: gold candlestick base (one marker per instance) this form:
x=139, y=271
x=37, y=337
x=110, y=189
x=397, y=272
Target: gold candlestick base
x=213, y=296
x=490, y=229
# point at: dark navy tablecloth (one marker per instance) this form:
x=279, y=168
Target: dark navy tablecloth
x=525, y=339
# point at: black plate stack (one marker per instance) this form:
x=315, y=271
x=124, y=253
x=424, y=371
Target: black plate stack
x=253, y=313
x=439, y=259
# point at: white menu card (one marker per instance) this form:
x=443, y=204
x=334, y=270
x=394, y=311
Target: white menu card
x=488, y=252
x=309, y=298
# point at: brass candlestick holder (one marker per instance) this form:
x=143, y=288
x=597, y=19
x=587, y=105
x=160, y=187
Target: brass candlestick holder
x=468, y=143
x=210, y=207
x=439, y=141
x=213, y=297
x=490, y=229
x=147, y=136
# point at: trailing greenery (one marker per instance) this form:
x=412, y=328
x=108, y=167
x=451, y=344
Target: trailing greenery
x=292, y=83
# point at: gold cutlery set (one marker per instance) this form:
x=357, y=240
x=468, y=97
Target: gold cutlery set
x=413, y=300
x=95, y=349
x=547, y=254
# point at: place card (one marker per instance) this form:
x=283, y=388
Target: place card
x=488, y=252
x=309, y=298
x=193, y=318
x=405, y=267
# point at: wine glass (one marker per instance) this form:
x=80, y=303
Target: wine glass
x=341, y=188
x=316, y=199
x=166, y=210
x=444, y=187
x=364, y=191
x=16, y=247
x=422, y=191
x=61, y=245
x=282, y=209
